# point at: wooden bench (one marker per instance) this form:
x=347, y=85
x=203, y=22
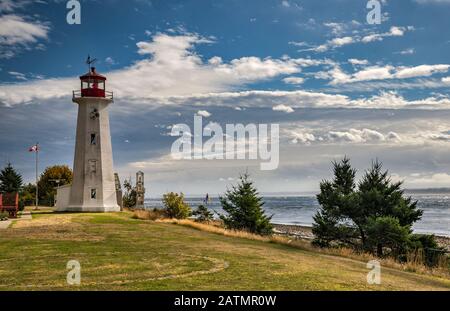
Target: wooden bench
x=9, y=203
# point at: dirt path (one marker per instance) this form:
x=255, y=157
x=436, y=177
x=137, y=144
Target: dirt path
x=5, y=224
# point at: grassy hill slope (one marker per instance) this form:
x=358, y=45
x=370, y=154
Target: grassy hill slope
x=117, y=252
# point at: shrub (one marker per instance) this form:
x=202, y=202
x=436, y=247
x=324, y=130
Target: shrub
x=175, y=206
x=129, y=197
x=429, y=249
x=387, y=232
x=27, y=196
x=3, y=216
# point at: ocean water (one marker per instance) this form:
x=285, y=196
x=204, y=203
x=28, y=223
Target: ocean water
x=299, y=210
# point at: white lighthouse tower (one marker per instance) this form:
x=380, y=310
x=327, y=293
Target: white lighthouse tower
x=93, y=188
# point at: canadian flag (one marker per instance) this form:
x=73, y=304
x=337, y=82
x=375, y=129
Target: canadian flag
x=34, y=148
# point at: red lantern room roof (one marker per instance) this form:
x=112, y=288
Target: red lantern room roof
x=93, y=84
x=92, y=75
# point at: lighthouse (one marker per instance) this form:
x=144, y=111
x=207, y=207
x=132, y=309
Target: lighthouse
x=93, y=187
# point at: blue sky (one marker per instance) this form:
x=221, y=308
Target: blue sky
x=336, y=85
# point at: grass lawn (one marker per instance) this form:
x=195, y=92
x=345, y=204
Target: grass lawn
x=117, y=252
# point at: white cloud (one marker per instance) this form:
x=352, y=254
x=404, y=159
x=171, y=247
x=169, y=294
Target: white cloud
x=394, y=31
x=18, y=75
x=11, y=5
x=372, y=38
x=433, y=1
x=393, y=136
x=320, y=135
x=215, y=61
x=409, y=51
x=254, y=68
x=446, y=80
x=394, y=101
x=377, y=85
x=436, y=136
x=420, y=71
x=176, y=75
x=299, y=136
x=337, y=76
x=172, y=69
x=203, y=113
x=373, y=73
x=355, y=61
x=336, y=42
x=109, y=60
x=17, y=33
x=336, y=28
x=283, y=108
x=428, y=180
x=356, y=136
x=302, y=99
x=397, y=31
x=293, y=80
x=333, y=43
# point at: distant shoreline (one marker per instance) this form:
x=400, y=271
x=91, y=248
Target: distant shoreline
x=310, y=193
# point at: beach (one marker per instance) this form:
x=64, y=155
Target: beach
x=305, y=233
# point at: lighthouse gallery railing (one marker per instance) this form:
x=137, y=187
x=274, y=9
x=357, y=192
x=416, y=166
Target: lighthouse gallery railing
x=78, y=94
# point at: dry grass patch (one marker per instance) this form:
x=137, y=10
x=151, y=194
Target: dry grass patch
x=54, y=220
x=148, y=214
x=55, y=227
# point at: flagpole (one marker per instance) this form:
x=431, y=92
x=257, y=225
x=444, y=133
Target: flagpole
x=37, y=190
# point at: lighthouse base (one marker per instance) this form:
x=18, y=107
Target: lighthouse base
x=62, y=203
x=92, y=209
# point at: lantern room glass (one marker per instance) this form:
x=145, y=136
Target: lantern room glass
x=93, y=84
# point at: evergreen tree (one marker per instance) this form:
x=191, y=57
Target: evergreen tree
x=202, y=214
x=243, y=206
x=338, y=201
x=10, y=180
x=376, y=213
x=380, y=197
x=386, y=231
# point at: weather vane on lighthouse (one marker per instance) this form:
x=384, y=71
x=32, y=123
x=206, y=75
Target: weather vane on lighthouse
x=90, y=61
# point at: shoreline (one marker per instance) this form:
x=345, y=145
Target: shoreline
x=305, y=233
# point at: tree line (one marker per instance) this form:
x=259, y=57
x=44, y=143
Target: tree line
x=11, y=182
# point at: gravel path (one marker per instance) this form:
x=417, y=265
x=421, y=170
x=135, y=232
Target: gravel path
x=5, y=224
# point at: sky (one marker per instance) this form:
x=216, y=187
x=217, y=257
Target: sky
x=336, y=85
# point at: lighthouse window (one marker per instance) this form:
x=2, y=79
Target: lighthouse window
x=93, y=139
x=93, y=193
x=92, y=166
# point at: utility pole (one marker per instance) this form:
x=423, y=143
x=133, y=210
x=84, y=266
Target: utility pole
x=37, y=177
